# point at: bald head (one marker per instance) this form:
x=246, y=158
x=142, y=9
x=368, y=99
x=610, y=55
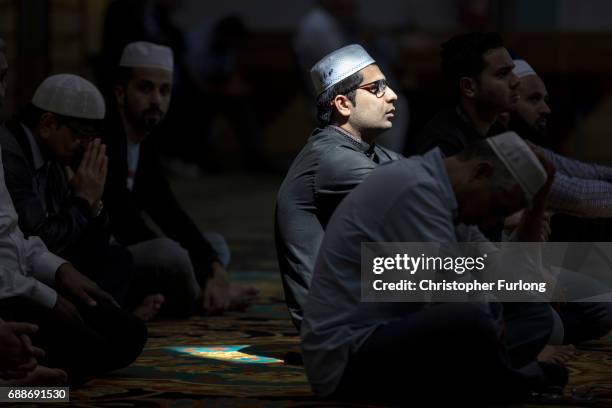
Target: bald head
x=532, y=106
x=532, y=110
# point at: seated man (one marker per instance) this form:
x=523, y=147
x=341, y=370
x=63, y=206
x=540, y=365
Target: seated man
x=453, y=351
x=188, y=267
x=354, y=106
x=580, y=190
x=81, y=329
x=61, y=206
x=18, y=358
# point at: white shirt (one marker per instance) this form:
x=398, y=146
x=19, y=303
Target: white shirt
x=133, y=157
x=27, y=268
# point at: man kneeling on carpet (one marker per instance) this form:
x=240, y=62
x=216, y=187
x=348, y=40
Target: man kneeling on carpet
x=355, y=350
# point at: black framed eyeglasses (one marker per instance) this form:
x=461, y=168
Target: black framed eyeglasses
x=85, y=130
x=377, y=88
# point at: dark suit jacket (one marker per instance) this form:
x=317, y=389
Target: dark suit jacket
x=451, y=130
x=324, y=172
x=63, y=221
x=151, y=193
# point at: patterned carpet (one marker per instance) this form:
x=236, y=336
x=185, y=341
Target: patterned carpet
x=237, y=361
x=233, y=360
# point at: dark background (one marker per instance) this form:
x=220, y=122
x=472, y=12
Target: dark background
x=568, y=42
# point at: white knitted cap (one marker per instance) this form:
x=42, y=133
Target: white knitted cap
x=522, y=68
x=70, y=95
x=520, y=161
x=147, y=55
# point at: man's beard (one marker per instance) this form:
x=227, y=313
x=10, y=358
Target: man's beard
x=537, y=133
x=145, y=121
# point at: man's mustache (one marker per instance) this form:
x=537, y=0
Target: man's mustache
x=153, y=110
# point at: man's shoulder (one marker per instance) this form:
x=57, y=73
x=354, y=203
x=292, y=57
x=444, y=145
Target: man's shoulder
x=411, y=171
x=392, y=154
x=326, y=146
x=324, y=138
x=445, y=130
x=8, y=141
x=443, y=121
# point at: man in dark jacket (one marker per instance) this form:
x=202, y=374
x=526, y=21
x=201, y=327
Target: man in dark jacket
x=478, y=71
x=354, y=106
x=64, y=207
x=194, y=264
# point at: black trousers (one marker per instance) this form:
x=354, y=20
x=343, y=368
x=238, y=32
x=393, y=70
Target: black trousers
x=107, y=339
x=446, y=353
x=528, y=329
x=112, y=268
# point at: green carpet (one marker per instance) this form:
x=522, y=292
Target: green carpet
x=231, y=361
x=166, y=376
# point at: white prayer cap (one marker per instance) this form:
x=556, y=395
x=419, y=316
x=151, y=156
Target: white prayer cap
x=70, y=95
x=522, y=68
x=339, y=65
x=520, y=161
x=147, y=55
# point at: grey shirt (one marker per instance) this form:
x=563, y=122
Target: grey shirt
x=407, y=200
x=329, y=166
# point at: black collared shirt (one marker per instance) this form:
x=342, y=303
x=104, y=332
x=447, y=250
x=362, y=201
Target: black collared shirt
x=329, y=166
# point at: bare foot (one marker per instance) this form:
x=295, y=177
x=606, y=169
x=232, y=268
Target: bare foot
x=242, y=296
x=149, y=307
x=557, y=354
x=40, y=376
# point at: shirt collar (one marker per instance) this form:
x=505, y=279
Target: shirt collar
x=36, y=153
x=495, y=129
x=359, y=144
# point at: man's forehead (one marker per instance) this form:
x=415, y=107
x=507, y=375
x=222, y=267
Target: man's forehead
x=155, y=75
x=371, y=73
x=531, y=84
x=496, y=58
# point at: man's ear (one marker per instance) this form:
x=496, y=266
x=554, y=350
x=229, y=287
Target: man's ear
x=46, y=124
x=343, y=106
x=482, y=170
x=468, y=87
x=119, y=91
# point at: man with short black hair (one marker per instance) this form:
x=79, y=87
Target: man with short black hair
x=354, y=106
x=479, y=76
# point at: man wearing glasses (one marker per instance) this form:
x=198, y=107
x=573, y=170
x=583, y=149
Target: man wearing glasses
x=72, y=315
x=59, y=127
x=354, y=106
